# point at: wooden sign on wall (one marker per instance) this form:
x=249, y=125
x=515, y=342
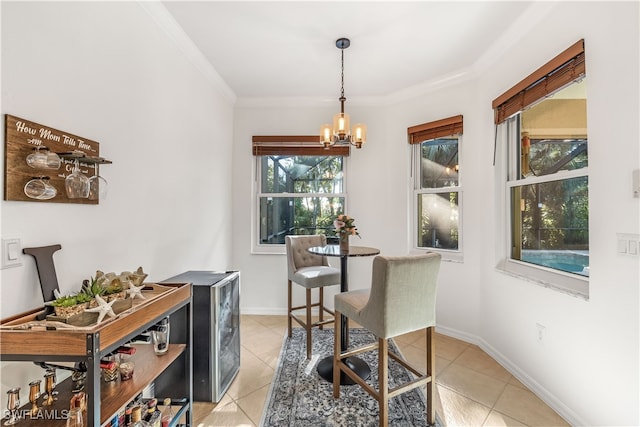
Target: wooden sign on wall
x=23, y=137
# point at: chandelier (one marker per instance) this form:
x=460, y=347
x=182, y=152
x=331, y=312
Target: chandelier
x=341, y=133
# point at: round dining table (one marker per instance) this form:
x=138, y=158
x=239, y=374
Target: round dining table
x=325, y=366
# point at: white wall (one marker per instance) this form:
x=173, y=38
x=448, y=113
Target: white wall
x=587, y=365
x=105, y=71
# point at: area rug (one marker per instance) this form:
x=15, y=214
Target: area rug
x=299, y=397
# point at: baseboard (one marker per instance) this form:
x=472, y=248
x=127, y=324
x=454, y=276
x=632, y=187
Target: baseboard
x=550, y=399
x=259, y=311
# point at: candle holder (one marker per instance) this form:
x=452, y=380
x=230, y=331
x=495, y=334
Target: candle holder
x=34, y=394
x=13, y=403
x=50, y=385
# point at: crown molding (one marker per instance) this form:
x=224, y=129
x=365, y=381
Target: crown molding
x=174, y=31
x=402, y=95
x=525, y=24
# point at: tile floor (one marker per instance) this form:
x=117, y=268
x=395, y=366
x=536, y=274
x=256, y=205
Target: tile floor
x=472, y=388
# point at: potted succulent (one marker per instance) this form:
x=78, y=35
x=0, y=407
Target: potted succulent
x=69, y=305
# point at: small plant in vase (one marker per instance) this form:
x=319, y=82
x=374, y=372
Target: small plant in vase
x=345, y=226
x=68, y=305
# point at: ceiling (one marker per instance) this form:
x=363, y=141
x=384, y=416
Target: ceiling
x=284, y=49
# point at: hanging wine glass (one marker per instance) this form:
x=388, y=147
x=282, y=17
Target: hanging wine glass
x=39, y=188
x=77, y=183
x=42, y=158
x=97, y=186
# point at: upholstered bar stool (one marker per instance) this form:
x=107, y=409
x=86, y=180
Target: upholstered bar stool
x=309, y=271
x=402, y=299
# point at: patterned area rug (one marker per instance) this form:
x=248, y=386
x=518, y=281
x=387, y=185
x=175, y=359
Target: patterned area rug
x=299, y=397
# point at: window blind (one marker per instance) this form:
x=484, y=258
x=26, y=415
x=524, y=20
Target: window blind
x=565, y=68
x=436, y=129
x=295, y=145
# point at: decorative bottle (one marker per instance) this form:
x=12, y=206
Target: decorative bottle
x=168, y=414
x=153, y=414
x=136, y=417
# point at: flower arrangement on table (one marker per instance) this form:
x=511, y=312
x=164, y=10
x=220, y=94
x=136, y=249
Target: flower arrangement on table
x=345, y=227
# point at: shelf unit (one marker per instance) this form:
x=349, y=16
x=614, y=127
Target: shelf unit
x=170, y=373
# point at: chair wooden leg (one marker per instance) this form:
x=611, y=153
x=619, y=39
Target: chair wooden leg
x=383, y=381
x=321, y=306
x=309, y=322
x=431, y=371
x=337, y=327
x=289, y=305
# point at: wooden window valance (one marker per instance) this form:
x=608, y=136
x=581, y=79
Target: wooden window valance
x=436, y=129
x=565, y=68
x=296, y=145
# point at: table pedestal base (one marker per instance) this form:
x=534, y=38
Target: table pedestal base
x=325, y=369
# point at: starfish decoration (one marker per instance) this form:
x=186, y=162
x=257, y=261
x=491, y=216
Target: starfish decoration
x=103, y=309
x=135, y=291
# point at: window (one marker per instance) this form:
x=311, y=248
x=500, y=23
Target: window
x=547, y=182
x=437, y=184
x=300, y=187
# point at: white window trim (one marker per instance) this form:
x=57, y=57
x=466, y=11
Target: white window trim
x=258, y=248
x=447, y=254
x=571, y=284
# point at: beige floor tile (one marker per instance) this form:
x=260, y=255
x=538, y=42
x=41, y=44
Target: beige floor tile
x=446, y=347
x=408, y=338
x=527, y=408
x=253, y=403
x=476, y=359
x=474, y=385
x=229, y=415
x=418, y=358
x=270, y=357
x=200, y=410
x=514, y=381
x=496, y=419
x=254, y=374
x=271, y=321
x=459, y=411
x=247, y=322
x=264, y=342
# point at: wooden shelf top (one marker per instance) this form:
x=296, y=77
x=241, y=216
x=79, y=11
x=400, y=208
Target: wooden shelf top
x=23, y=336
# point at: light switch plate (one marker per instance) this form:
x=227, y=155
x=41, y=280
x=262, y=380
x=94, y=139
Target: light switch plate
x=628, y=244
x=11, y=253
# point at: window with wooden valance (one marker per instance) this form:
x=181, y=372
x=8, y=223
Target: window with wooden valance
x=295, y=145
x=437, y=129
x=562, y=70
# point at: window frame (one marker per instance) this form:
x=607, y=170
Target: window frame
x=572, y=284
x=278, y=249
x=448, y=128
x=561, y=71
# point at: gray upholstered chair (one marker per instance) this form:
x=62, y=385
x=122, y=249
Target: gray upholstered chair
x=309, y=271
x=402, y=299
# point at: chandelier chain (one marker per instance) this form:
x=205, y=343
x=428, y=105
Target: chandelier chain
x=342, y=76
